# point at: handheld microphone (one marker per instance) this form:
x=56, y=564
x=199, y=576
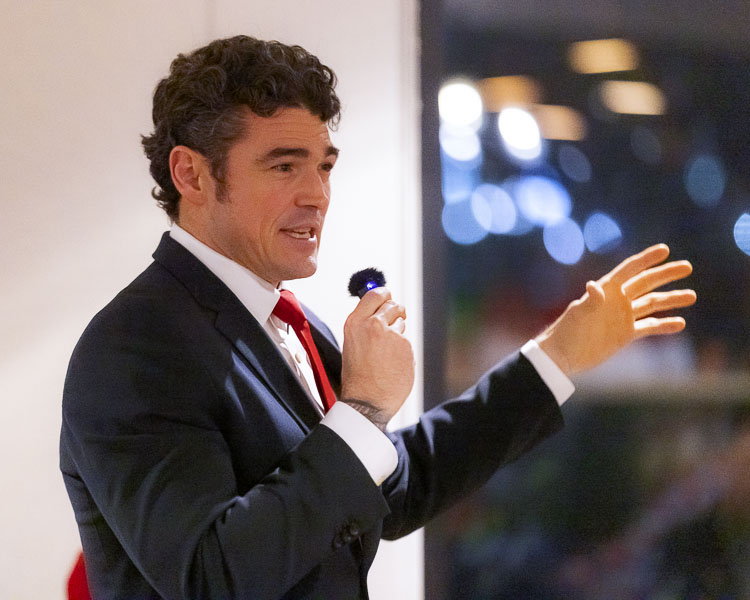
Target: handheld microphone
x=363, y=281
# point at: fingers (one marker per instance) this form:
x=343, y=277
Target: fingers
x=399, y=325
x=651, y=279
x=393, y=315
x=655, y=326
x=660, y=301
x=637, y=263
x=371, y=302
x=377, y=303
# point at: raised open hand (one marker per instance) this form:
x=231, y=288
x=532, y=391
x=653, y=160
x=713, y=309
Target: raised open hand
x=617, y=309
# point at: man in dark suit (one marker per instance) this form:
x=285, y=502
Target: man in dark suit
x=198, y=448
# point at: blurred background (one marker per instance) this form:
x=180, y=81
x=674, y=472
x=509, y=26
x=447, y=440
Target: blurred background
x=572, y=135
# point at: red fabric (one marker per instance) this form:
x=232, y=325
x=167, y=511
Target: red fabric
x=78, y=586
x=288, y=310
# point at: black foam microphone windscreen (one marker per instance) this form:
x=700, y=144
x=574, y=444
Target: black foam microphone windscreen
x=363, y=281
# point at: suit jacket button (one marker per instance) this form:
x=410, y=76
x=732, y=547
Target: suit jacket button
x=354, y=530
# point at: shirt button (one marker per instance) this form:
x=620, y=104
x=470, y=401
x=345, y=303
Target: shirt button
x=298, y=357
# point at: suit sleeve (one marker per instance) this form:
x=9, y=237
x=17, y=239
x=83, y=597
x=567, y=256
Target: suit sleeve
x=144, y=427
x=457, y=446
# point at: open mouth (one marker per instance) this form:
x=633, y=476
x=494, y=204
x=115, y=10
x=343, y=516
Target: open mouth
x=300, y=234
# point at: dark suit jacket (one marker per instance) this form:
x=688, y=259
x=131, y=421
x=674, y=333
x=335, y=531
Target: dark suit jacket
x=197, y=468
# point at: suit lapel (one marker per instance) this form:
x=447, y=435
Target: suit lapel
x=266, y=360
x=240, y=328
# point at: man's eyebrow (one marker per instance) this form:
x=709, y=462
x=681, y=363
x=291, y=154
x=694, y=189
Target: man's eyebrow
x=294, y=152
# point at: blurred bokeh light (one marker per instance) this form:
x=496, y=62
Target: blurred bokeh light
x=460, y=222
x=633, y=97
x=564, y=241
x=601, y=233
x=520, y=133
x=574, y=163
x=705, y=179
x=603, y=56
x=460, y=104
x=742, y=233
x=542, y=200
x=461, y=143
x=495, y=201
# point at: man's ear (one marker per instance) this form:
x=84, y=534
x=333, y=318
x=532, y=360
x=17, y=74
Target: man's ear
x=190, y=174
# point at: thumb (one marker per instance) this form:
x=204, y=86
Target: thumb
x=595, y=292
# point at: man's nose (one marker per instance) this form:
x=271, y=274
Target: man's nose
x=316, y=190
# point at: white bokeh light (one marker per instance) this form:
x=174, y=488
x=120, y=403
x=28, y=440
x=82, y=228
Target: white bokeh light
x=460, y=104
x=520, y=134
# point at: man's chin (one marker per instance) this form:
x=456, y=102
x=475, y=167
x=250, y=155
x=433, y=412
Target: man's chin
x=303, y=271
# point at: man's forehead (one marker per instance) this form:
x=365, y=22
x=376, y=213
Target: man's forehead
x=288, y=129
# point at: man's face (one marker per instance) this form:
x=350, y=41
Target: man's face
x=276, y=195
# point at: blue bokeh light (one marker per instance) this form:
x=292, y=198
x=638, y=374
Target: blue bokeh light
x=492, y=203
x=458, y=181
x=742, y=233
x=705, y=179
x=460, y=143
x=574, y=163
x=542, y=200
x=564, y=241
x=601, y=233
x=460, y=224
x=522, y=225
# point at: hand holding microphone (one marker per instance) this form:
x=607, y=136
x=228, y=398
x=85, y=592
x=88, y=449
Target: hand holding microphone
x=378, y=361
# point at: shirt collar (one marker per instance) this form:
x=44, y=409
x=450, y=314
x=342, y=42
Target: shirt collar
x=255, y=293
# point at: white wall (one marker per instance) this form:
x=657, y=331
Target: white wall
x=77, y=222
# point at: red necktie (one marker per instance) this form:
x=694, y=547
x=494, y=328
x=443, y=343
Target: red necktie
x=288, y=310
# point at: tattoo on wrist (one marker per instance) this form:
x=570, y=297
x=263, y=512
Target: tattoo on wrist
x=373, y=414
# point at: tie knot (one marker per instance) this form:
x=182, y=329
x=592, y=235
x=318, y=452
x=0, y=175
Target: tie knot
x=289, y=310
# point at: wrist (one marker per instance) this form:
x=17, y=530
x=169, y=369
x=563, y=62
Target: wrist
x=546, y=341
x=372, y=413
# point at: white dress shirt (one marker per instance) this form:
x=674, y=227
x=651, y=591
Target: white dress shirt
x=372, y=447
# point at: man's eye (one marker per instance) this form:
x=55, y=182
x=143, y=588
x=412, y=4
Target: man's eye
x=284, y=167
x=326, y=166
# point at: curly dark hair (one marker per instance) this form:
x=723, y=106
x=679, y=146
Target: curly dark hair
x=200, y=104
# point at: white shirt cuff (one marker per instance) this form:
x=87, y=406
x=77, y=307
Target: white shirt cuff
x=372, y=446
x=558, y=382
